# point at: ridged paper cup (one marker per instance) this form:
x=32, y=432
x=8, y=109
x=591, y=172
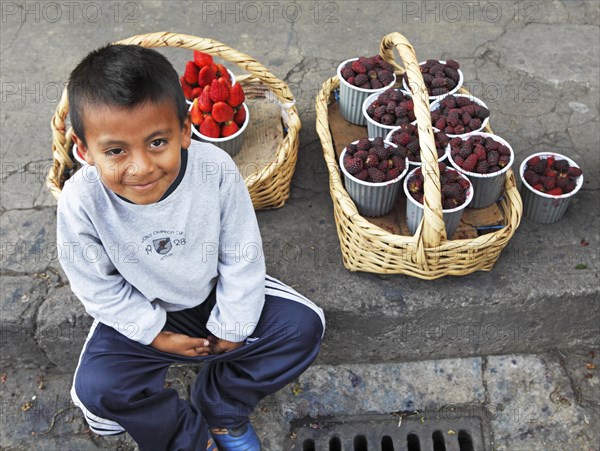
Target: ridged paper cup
x=375, y=129
x=435, y=105
x=417, y=164
x=352, y=97
x=541, y=207
x=487, y=187
x=230, y=144
x=461, y=80
x=372, y=199
x=414, y=210
x=231, y=74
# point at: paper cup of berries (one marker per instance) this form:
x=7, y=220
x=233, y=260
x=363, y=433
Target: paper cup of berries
x=387, y=110
x=200, y=72
x=406, y=137
x=441, y=78
x=220, y=116
x=456, y=190
x=359, y=78
x=484, y=158
x=372, y=171
x=459, y=114
x=550, y=180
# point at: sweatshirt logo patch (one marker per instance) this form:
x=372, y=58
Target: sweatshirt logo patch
x=162, y=245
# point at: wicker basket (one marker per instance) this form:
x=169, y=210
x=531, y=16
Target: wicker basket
x=427, y=254
x=269, y=185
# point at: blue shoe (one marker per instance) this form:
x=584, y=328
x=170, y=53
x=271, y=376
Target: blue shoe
x=243, y=438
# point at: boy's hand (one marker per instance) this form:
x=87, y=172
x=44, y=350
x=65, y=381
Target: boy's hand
x=181, y=344
x=219, y=346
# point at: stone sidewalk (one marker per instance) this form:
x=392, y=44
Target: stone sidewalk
x=537, y=66
x=524, y=402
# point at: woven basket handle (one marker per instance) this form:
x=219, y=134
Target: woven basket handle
x=433, y=230
x=61, y=137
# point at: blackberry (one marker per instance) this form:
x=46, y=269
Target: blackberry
x=460, y=129
x=466, y=118
x=363, y=144
x=452, y=64
x=456, y=142
x=377, y=142
x=561, y=165
x=475, y=124
x=372, y=161
x=574, y=172
x=388, y=119
x=371, y=110
x=400, y=111
x=439, y=91
x=482, y=167
x=470, y=163
x=362, y=154
x=372, y=74
x=351, y=149
x=462, y=101
x=392, y=174
x=493, y=169
x=362, y=175
x=413, y=146
x=380, y=151
x=482, y=113
x=548, y=182
x=353, y=165
x=492, y=157
x=440, y=123
x=376, y=84
x=399, y=163
x=448, y=102
x=452, y=74
x=359, y=68
x=561, y=182
x=348, y=73
x=450, y=203
x=391, y=106
x=379, y=112
x=503, y=160
x=438, y=83
x=361, y=79
x=375, y=175
x=464, y=152
x=397, y=96
x=458, y=160
x=384, y=166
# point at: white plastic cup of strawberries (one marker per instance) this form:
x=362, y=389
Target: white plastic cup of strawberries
x=217, y=109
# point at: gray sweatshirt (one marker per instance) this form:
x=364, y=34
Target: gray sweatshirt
x=129, y=264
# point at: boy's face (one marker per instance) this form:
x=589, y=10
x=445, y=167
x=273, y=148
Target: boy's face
x=136, y=150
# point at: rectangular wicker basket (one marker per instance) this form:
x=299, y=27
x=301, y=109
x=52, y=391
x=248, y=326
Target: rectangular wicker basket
x=428, y=254
x=269, y=181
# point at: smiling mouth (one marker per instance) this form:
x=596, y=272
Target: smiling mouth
x=140, y=187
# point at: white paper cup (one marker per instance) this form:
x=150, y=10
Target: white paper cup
x=541, y=207
x=352, y=97
x=230, y=144
x=417, y=164
x=487, y=187
x=414, y=210
x=375, y=129
x=435, y=105
x=461, y=79
x=372, y=199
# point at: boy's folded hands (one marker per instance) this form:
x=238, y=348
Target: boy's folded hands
x=192, y=347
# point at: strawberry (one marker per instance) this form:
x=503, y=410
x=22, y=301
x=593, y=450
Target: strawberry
x=229, y=128
x=205, y=103
x=219, y=91
x=222, y=112
x=236, y=95
x=191, y=73
x=187, y=88
x=206, y=76
x=196, y=92
x=202, y=59
x=196, y=113
x=240, y=116
x=210, y=128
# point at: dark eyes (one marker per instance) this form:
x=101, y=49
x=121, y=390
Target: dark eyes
x=157, y=143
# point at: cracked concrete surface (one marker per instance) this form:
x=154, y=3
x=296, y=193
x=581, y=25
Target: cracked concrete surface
x=537, y=67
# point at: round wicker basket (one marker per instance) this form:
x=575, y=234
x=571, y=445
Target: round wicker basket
x=428, y=254
x=269, y=186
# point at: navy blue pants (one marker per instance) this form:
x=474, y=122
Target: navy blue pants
x=119, y=383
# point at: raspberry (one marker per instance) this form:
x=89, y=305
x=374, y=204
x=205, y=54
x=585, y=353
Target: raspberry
x=441, y=123
x=353, y=165
x=359, y=68
x=462, y=101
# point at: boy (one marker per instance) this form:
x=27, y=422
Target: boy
x=163, y=249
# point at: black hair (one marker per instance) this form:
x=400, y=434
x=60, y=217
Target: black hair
x=125, y=76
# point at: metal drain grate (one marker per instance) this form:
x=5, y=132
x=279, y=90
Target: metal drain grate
x=381, y=433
